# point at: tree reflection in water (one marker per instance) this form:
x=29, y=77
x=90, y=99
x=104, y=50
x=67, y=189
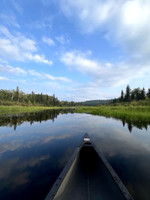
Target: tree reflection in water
x=138, y=124
x=18, y=119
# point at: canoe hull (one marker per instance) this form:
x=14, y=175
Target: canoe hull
x=88, y=176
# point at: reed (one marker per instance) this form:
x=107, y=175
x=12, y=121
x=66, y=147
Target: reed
x=130, y=113
x=22, y=109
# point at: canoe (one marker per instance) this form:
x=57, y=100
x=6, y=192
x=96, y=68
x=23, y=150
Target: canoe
x=88, y=176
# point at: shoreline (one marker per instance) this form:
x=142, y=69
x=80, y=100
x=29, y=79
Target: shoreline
x=6, y=110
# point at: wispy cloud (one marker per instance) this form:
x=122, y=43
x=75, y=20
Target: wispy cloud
x=43, y=75
x=35, y=73
x=45, y=23
x=17, y=7
x=9, y=19
x=7, y=69
x=83, y=92
x=91, y=14
x=3, y=78
x=3, y=61
x=106, y=74
x=50, y=77
x=124, y=22
x=19, y=47
x=62, y=39
x=38, y=58
x=48, y=41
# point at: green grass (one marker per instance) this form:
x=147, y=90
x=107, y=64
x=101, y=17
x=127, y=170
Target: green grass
x=128, y=113
x=22, y=109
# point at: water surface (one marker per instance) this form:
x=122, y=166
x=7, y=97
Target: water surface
x=35, y=147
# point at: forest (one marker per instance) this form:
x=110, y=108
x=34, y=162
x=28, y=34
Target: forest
x=133, y=95
x=17, y=97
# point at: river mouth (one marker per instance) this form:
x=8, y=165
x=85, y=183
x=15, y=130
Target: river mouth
x=35, y=147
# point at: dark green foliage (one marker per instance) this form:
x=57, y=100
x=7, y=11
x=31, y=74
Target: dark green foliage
x=128, y=93
x=142, y=94
x=137, y=115
x=132, y=95
x=95, y=102
x=17, y=97
x=122, y=96
x=136, y=93
x=14, y=97
x=148, y=93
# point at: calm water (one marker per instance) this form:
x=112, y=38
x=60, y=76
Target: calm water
x=35, y=147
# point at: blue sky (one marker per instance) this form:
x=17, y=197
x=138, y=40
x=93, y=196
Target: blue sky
x=78, y=50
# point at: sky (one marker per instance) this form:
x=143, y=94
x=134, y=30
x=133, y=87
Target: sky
x=76, y=49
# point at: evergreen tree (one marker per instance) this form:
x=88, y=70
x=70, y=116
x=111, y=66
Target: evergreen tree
x=137, y=92
x=133, y=95
x=148, y=93
x=16, y=94
x=142, y=94
x=128, y=93
x=33, y=98
x=122, y=96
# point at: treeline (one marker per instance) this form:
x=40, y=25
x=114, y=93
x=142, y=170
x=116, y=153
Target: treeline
x=133, y=95
x=17, y=97
x=17, y=120
x=96, y=102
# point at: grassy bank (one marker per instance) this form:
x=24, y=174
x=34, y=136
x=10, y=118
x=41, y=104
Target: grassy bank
x=22, y=109
x=127, y=113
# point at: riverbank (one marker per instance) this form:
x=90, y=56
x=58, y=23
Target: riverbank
x=127, y=113
x=4, y=110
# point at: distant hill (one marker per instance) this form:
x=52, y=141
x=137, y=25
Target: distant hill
x=95, y=102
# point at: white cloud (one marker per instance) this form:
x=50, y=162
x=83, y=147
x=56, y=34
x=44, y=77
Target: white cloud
x=3, y=61
x=19, y=47
x=45, y=23
x=105, y=74
x=125, y=22
x=3, y=78
x=91, y=14
x=76, y=91
x=7, y=69
x=48, y=41
x=35, y=73
x=84, y=92
x=79, y=61
x=38, y=58
x=12, y=70
x=27, y=44
x=43, y=75
x=62, y=40
x=9, y=19
x=53, y=78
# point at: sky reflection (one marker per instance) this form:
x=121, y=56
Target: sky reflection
x=32, y=156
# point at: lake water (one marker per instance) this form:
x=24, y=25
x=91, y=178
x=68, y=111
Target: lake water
x=35, y=147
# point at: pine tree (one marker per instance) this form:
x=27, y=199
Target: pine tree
x=142, y=94
x=122, y=96
x=148, y=93
x=128, y=93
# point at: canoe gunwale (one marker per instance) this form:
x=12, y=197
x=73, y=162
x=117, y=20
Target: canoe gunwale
x=116, y=178
x=53, y=192
x=60, y=179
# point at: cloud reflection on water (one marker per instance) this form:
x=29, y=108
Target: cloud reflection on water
x=40, y=151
